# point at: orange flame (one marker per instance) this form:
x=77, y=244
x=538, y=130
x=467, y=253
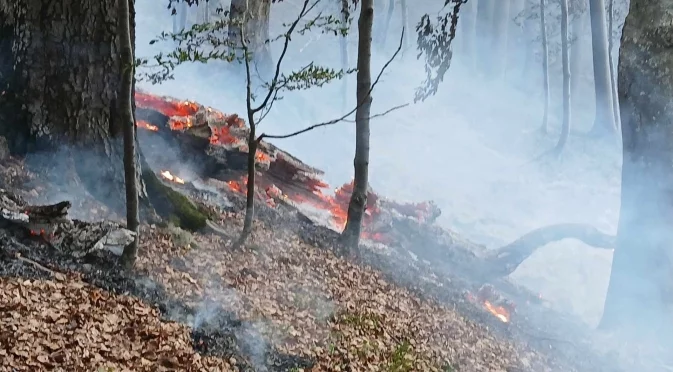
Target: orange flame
x=498, y=311
x=146, y=125
x=169, y=176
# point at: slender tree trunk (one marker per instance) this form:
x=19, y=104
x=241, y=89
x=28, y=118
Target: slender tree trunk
x=565, y=126
x=499, y=38
x=613, y=78
x=343, y=46
x=356, y=207
x=604, y=123
x=515, y=39
x=126, y=117
x=180, y=16
x=468, y=23
x=545, y=66
x=485, y=13
x=577, y=48
x=529, y=26
x=386, y=27
x=640, y=292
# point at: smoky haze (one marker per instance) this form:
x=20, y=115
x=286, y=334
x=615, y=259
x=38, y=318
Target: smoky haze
x=467, y=148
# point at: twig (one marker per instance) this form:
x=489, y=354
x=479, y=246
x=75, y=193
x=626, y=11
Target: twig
x=388, y=111
x=37, y=265
x=341, y=119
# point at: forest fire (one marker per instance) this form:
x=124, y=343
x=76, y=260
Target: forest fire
x=281, y=176
x=169, y=176
x=490, y=300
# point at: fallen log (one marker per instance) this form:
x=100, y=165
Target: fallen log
x=50, y=222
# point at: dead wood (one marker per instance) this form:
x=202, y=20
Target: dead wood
x=505, y=260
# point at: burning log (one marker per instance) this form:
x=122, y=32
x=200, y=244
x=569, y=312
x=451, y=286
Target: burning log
x=51, y=222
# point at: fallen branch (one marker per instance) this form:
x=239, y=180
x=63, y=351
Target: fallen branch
x=35, y=264
x=505, y=260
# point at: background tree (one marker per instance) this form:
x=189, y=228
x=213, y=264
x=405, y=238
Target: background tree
x=604, y=122
x=565, y=126
x=545, y=67
x=127, y=119
x=613, y=77
x=358, y=201
x=639, y=294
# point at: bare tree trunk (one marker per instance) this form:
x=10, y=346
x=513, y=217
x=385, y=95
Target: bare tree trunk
x=468, y=23
x=485, y=14
x=640, y=292
x=356, y=207
x=578, y=29
x=253, y=17
x=515, y=39
x=126, y=117
x=386, y=25
x=565, y=126
x=405, y=23
x=180, y=16
x=343, y=46
x=604, y=123
x=545, y=66
x=499, y=40
x=529, y=26
x=613, y=78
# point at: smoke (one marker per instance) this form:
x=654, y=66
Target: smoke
x=465, y=148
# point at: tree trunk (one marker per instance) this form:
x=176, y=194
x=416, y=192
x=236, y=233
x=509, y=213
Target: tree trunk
x=529, y=26
x=253, y=17
x=515, y=39
x=356, y=207
x=343, y=46
x=640, y=292
x=126, y=117
x=405, y=23
x=72, y=48
x=485, y=13
x=180, y=16
x=578, y=29
x=565, y=126
x=468, y=24
x=499, y=40
x=613, y=78
x=604, y=122
x=545, y=66
x=60, y=74
x=386, y=25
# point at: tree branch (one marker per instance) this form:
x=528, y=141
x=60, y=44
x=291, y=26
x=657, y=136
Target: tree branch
x=276, y=74
x=340, y=119
x=503, y=261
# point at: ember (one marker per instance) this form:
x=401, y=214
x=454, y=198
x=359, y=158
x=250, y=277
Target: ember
x=146, y=125
x=490, y=300
x=169, y=176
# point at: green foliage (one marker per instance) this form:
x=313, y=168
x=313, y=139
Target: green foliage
x=402, y=358
x=434, y=44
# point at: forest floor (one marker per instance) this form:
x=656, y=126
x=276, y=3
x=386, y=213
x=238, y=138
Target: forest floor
x=279, y=304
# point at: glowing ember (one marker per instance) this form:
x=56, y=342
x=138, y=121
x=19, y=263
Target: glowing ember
x=167, y=175
x=146, y=125
x=498, y=311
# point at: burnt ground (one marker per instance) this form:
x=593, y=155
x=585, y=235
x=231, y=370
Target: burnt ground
x=178, y=280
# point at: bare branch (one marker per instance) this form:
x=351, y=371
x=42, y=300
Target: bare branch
x=248, y=86
x=340, y=119
x=274, y=81
x=384, y=113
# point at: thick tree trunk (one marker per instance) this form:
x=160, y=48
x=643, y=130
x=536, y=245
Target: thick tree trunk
x=468, y=25
x=640, y=292
x=604, y=122
x=356, y=207
x=253, y=17
x=499, y=39
x=128, y=123
x=545, y=66
x=565, y=126
x=60, y=74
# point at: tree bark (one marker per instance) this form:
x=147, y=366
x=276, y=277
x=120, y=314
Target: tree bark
x=126, y=117
x=640, y=291
x=499, y=39
x=604, y=122
x=545, y=66
x=356, y=207
x=60, y=74
x=565, y=126
x=252, y=16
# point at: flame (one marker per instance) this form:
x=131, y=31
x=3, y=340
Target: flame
x=146, y=125
x=498, y=311
x=167, y=175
